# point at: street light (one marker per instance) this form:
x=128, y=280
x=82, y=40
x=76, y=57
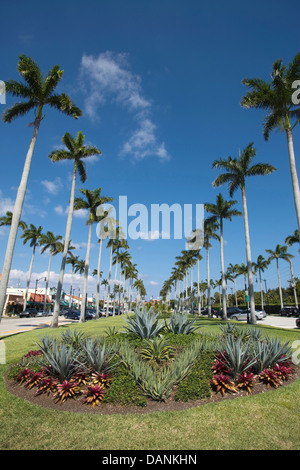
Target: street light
x=36, y=283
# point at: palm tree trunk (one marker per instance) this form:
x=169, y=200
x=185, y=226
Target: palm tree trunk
x=208, y=284
x=249, y=261
x=279, y=284
x=293, y=283
x=235, y=294
x=261, y=291
x=47, y=281
x=54, y=323
x=86, y=273
x=294, y=175
x=109, y=279
x=17, y=213
x=198, y=290
x=116, y=271
x=28, y=279
x=98, y=279
x=224, y=317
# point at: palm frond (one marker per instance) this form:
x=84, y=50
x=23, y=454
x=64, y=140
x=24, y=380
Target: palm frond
x=64, y=104
x=17, y=110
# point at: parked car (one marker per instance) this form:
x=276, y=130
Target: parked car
x=42, y=313
x=29, y=312
x=204, y=311
x=75, y=315
x=298, y=322
x=289, y=311
x=244, y=314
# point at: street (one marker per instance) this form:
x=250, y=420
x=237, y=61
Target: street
x=9, y=326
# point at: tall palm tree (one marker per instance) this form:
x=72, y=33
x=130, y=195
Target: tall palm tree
x=7, y=220
x=124, y=260
x=291, y=239
x=237, y=170
x=32, y=235
x=280, y=252
x=36, y=91
x=52, y=243
x=91, y=201
x=222, y=210
x=119, y=243
x=232, y=270
x=275, y=97
x=72, y=260
x=75, y=151
x=261, y=265
x=112, y=244
x=79, y=268
x=209, y=233
x=104, y=283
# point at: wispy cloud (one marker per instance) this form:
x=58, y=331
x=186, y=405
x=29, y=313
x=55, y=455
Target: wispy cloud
x=54, y=186
x=109, y=78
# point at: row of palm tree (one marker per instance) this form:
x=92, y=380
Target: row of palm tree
x=38, y=91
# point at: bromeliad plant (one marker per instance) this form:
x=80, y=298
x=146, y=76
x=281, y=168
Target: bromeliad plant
x=66, y=390
x=222, y=383
x=94, y=395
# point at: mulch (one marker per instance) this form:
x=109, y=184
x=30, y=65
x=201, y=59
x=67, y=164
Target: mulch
x=170, y=405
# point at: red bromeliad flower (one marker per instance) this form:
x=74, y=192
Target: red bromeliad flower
x=219, y=368
x=270, y=377
x=101, y=378
x=222, y=383
x=23, y=375
x=94, y=395
x=284, y=371
x=66, y=390
x=245, y=381
x=46, y=385
x=34, y=379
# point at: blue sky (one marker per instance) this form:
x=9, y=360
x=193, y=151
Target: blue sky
x=159, y=84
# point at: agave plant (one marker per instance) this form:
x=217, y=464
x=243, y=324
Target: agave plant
x=270, y=352
x=96, y=357
x=73, y=338
x=61, y=361
x=181, y=324
x=145, y=324
x=235, y=355
x=156, y=349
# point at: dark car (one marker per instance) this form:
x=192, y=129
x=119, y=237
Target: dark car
x=29, y=312
x=289, y=311
x=205, y=311
x=75, y=315
x=298, y=322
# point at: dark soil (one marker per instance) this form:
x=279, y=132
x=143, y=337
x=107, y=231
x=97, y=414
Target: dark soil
x=77, y=405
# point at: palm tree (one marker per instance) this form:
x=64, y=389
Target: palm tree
x=37, y=91
x=124, y=260
x=7, y=220
x=79, y=267
x=104, y=283
x=237, y=170
x=221, y=211
x=261, y=265
x=32, y=235
x=52, y=243
x=72, y=260
x=76, y=151
x=291, y=239
x=91, y=203
x=232, y=271
x=276, y=98
x=112, y=244
x=280, y=252
x=209, y=233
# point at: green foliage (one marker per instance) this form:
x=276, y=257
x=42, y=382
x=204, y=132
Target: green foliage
x=60, y=361
x=145, y=324
x=270, y=352
x=197, y=384
x=181, y=324
x=97, y=357
x=157, y=349
x=234, y=354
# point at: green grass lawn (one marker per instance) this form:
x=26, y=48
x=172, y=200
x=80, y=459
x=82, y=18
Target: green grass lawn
x=266, y=421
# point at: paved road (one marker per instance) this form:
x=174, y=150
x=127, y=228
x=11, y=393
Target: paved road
x=10, y=326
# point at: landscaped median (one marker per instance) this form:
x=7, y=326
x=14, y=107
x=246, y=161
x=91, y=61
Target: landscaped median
x=142, y=367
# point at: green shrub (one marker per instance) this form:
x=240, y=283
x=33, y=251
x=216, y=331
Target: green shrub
x=145, y=324
x=197, y=384
x=181, y=324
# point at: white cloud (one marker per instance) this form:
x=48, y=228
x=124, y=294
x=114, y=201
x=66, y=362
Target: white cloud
x=109, y=78
x=153, y=283
x=6, y=204
x=153, y=235
x=53, y=187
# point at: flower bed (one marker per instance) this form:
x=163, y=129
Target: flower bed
x=126, y=372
